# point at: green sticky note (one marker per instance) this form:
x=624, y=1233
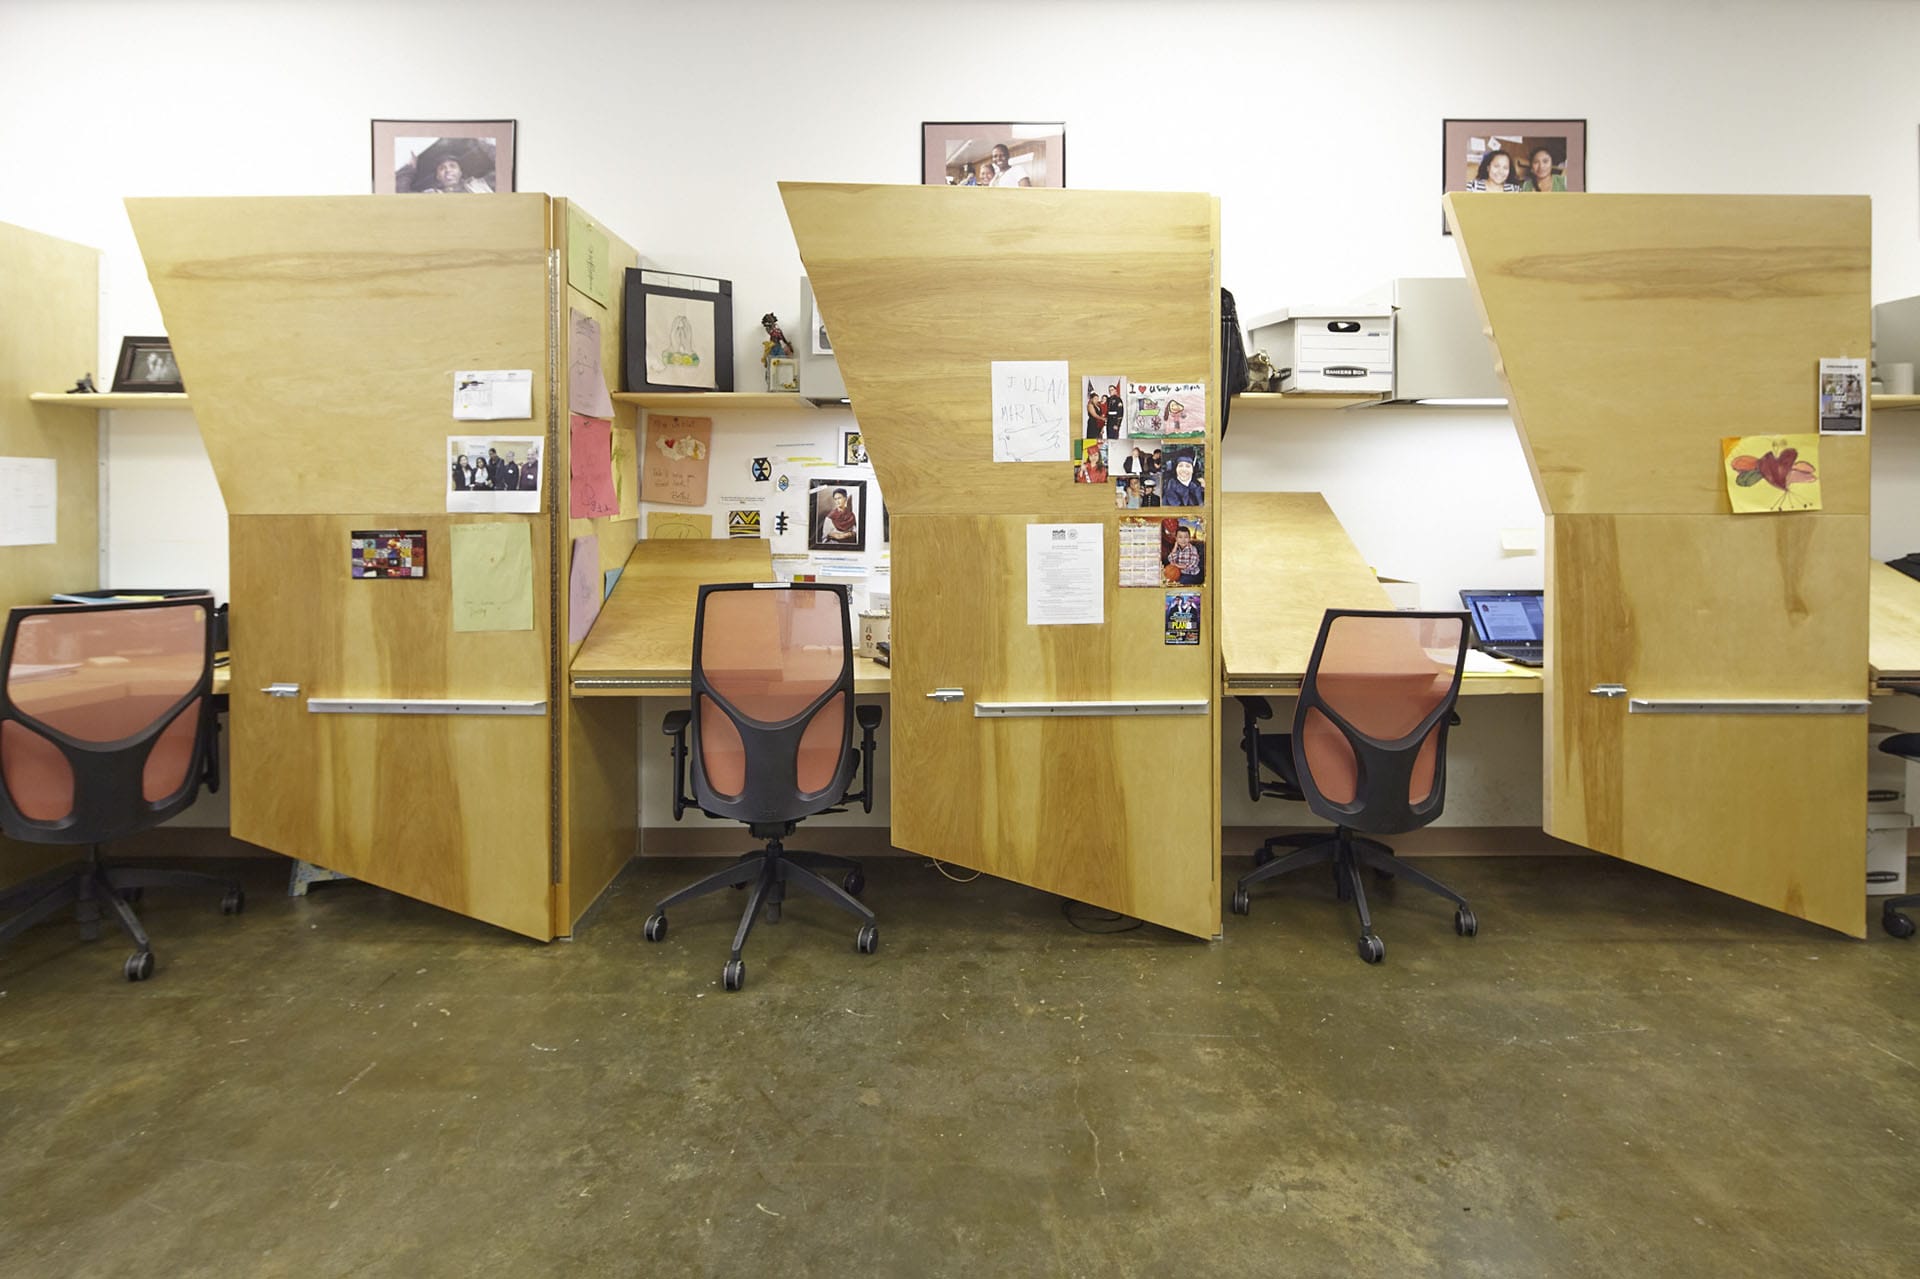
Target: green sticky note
x=492, y=577
x=588, y=269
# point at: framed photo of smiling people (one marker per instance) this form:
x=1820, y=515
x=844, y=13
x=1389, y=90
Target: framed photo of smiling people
x=1521, y=157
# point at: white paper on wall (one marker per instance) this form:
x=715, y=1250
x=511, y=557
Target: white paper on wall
x=29, y=488
x=1030, y=411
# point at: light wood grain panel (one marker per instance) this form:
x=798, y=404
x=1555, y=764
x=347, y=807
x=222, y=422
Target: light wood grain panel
x=1287, y=561
x=320, y=335
x=1636, y=331
x=453, y=810
x=1893, y=638
x=49, y=290
x=598, y=744
x=926, y=292
x=645, y=629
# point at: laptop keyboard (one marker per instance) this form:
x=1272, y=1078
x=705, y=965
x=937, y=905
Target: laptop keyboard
x=1517, y=652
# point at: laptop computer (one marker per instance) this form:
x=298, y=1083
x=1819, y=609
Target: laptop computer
x=1508, y=624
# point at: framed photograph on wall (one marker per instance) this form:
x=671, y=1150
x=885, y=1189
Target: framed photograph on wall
x=1521, y=157
x=993, y=155
x=442, y=157
x=147, y=364
x=837, y=515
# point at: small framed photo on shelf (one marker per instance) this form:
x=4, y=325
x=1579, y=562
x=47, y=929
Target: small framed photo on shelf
x=147, y=364
x=1522, y=157
x=678, y=332
x=837, y=515
x=442, y=157
x=993, y=155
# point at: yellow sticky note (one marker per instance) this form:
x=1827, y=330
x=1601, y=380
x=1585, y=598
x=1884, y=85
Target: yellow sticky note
x=492, y=577
x=1770, y=473
x=626, y=472
x=678, y=524
x=588, y=252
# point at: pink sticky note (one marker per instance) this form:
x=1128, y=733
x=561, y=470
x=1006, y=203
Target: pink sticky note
x=591, y=463
x=583, y=588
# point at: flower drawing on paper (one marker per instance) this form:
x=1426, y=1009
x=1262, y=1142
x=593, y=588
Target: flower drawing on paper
x=675, y=447
x=1781, y=467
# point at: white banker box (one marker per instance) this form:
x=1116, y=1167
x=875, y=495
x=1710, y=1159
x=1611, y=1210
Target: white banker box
x=1346, y=348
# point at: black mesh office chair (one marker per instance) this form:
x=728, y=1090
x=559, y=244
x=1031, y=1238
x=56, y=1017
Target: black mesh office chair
x=1907, y=747
x=106, y=729
x=1367, y=752
x=772, y=723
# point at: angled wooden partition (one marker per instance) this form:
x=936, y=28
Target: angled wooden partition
x=49, y=336
x=925, y=287
x=1634, y=332
x=320, y=338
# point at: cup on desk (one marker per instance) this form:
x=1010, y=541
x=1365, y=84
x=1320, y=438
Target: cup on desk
x=1899, y=378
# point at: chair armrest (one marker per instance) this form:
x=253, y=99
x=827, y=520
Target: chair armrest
x=868, y=717
x=1255, y=708
x=1252, y=711
x=675, y=726
x=676, y=723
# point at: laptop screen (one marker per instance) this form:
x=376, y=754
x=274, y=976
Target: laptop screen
x=1506, y=617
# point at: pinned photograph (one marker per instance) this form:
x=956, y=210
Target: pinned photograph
x=837, y=515
x=442, y=157
x=1106, y=406
x=1166, y=410
x=1515, y=156
x=1089, y=461
x=993, y=155
x=1126, y=492
x=1183, y=551
x=1843, y=397
x=1183, y=617
x=147, y=364
x=1183, y=481
x=853, y=449
x=494, y=473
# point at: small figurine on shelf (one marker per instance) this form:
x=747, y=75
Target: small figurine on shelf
x=777, y=355
x=84, y=386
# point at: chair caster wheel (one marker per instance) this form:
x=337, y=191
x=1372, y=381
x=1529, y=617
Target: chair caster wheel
x=1896, y=924
x=1464, y=923
x=1262, y=855
x=867, y=940
x=139, y=965
x=1372, y=949
x=770, y=912
x=855, y=883
x=734, y=975
x=133, y=896
x=656, y=929
x=1242, y=904
x=234, y=902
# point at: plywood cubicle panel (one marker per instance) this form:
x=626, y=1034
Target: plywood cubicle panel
x=598, y=744
x=925, y=291
x=1893, y=642
x=451, y=809
x=49, y=336
x=646, y=629
x=1635, y=332
x=320, y=336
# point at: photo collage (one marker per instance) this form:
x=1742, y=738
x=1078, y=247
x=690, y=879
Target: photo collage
x=1148, y=439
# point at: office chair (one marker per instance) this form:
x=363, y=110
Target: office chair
x=772, y=722
x=1907, y=747
x=106, y=729
x=1367, y=752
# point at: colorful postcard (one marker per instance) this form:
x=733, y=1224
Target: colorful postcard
x=1167, y=410
x=1089, y=461
x=1843, y=395
x=1183, y=617
x=1104, y=397
x=389, y=552
x=1769, y=473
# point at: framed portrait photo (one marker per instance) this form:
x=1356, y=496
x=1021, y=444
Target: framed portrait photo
x=147, y=364
x=442, y=157
x=1522, y=157
x=993, y=155
x=837, y=515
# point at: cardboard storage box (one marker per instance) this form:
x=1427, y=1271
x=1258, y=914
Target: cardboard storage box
x=1343, y=349
x=1887, y=853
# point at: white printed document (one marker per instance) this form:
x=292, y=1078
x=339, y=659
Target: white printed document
x=492, y=395
x=28, y=486
x=1066, y=575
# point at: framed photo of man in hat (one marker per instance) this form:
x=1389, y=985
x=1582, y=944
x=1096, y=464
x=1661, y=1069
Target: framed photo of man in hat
x=442, y=157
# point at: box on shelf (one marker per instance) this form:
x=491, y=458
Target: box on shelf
x=875, y=630
x=1344, y=349
x=1887, y=853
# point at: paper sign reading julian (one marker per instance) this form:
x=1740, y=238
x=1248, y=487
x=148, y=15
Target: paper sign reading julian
x=590, y=465
x=1031, y=411
x=492, y=395
x=673, y=466
x=1066, y=585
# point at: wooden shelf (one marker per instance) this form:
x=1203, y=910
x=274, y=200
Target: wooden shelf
x=1263, y=400
x=712, y=401
x=114, y=400
x=1895, y=403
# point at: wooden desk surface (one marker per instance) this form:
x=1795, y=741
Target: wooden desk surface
x=641, y=645
x=1893, y=627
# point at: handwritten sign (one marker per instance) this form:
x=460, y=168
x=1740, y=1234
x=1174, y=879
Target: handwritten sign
x=590, y=467
x=588, y=267
x=586, y=384
x=1031, y=406
x=673, y=466
x=492, y=577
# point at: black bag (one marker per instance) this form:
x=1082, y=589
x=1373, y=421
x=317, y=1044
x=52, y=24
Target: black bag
x=1233, y=358
x=1908, y=564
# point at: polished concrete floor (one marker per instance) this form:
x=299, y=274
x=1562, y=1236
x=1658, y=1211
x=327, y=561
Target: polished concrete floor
x=1622, y=1075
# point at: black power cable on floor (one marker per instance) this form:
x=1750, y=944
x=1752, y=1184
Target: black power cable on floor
x=1094, y=915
